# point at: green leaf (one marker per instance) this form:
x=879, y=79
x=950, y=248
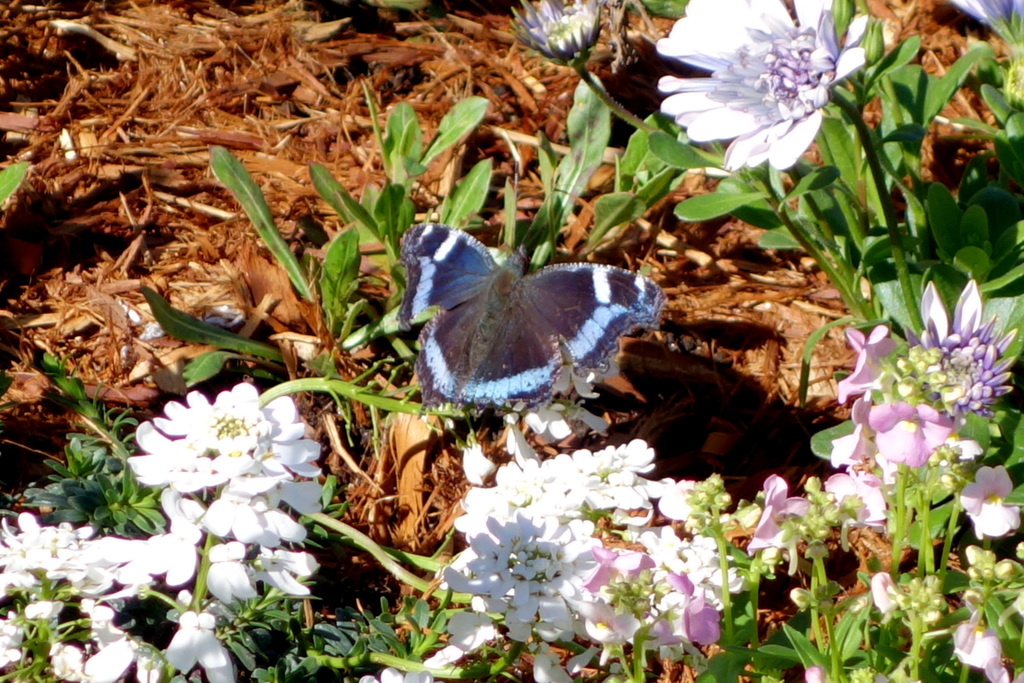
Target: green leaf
x=229, y=171
x=809, y=346
x=997, y=104
x=1009, y=144
x=838, y=148
x=459, y=122
x=778, y=238
x=821, y=443
x=205, y=366
x=975, y=177
x=338, y=277
x=941, y=90
x=974, y=227
x=707, y=206
x=1001, y=208
x=679, y=154
x=182, y=326
x=394, y=212
x=347, y=208
x=611, y=211
x=403, y=141
x=589, y=129
x=809, y=655
x=820, y=178
x=10, y=179
x=469, y=195
x=903, y=54
x=944, y=218
x=973, y=261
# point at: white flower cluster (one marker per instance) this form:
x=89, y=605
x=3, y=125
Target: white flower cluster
x=534, y=559
x=568, y=487
x=225, y=468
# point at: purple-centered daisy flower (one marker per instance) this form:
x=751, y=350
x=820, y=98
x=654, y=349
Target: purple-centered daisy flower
x=562, y=33
x=971, y=373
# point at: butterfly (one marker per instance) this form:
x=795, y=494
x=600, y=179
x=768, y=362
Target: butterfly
x=500, y=335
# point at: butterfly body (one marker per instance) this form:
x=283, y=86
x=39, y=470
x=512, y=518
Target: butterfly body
x=500, y=335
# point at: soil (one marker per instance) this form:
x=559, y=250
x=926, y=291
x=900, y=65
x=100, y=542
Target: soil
x=117, y=125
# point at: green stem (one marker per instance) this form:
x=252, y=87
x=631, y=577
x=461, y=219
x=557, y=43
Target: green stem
x=819, y=580
x=386, y=556
x=723, y=566
x=844, y=281
x=899, y=521
x=888, y=211
x=925, y=551
x=336, y=388
x=595, y=85
x=199, y=594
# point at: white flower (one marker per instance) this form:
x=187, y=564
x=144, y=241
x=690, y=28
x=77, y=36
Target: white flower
x=280, y=567
x=467, y=631
x=247, y=510
x=68, y=662
x=476, y=465
x=228, y=579
x=770, y=77
x=534, y=488
x=610, y=477
x=116, y=650
x=11, y=635
x=532, y=570
x=200, y=445
x=43, y=609
x=983, y=501
x=56, y=552
x=390, y=675
x=196, y=642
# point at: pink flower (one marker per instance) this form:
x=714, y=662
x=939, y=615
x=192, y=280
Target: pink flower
x=612, y=563
x=815, y=674
x=882, y=590
x=695, y=619
x=870, y=350
x=974, y=645
x=864, y=486
x=777, y=507
x=854, y=449
x=909, y=434
x=983, y=501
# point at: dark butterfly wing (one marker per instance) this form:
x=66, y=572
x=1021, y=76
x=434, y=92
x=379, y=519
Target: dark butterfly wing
x=590, y=306
x=484, y=352
x=444, y=267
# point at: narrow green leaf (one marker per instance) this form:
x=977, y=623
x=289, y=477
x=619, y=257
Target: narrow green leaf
x=341, y=201
x=469, y=195
x=205, y=366
x=707, y=206
x=186, y=328
x=779, y=238
x=941, y=90
x=229, y=171
x=820, y=178
x=10, y=179
x=611, y=211
x=997, y=103
x=809, y=346
x=809, y=655
x=903, y=54
x=456, y=124
x=589, y=129
x=679, y=154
